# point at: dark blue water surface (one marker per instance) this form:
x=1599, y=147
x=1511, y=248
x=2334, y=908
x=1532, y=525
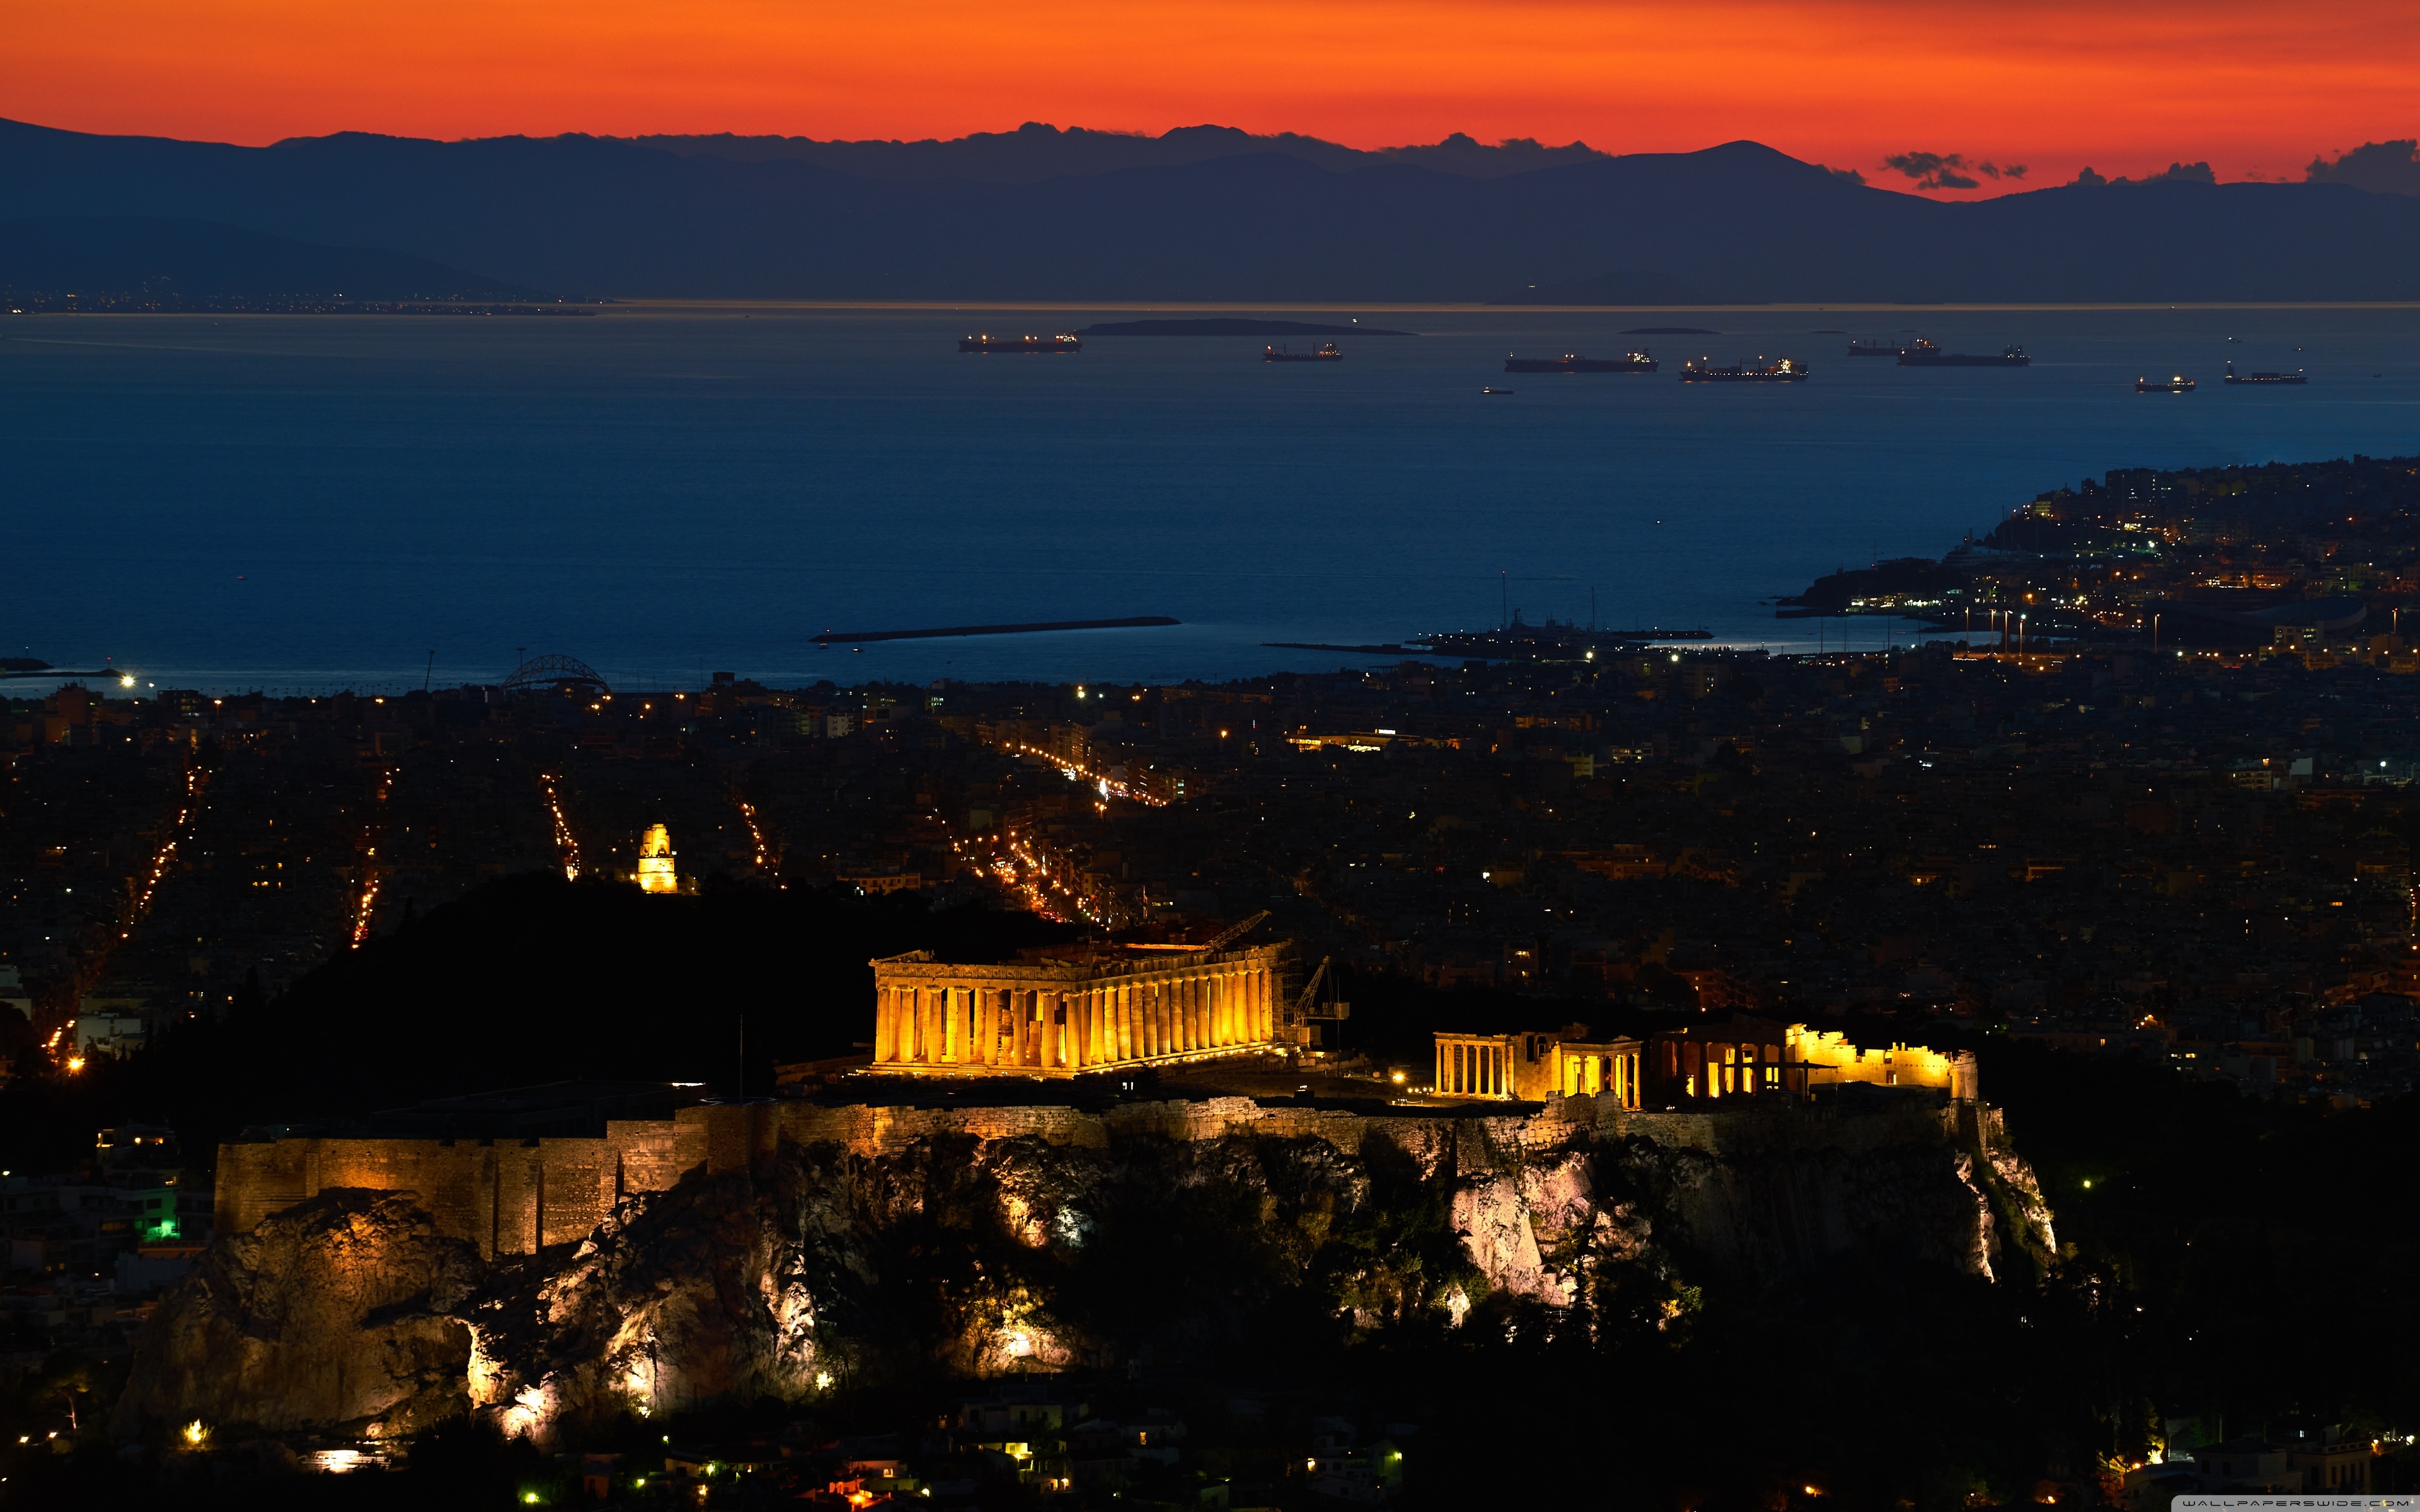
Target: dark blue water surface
x=295, y=501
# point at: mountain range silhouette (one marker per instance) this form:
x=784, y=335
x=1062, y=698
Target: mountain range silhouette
x=1205, y=213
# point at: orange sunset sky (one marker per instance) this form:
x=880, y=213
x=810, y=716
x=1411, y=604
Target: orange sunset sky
x=2254, y=88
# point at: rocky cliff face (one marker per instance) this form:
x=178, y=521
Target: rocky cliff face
x=345, y=1313
x=827, y=1261
x=1761, y=1199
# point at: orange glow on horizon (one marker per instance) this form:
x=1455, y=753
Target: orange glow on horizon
x=2256, y=88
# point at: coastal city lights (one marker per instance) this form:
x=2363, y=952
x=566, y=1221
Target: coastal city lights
x=1577, y=909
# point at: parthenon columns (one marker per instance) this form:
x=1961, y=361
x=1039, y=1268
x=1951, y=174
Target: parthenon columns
x=1077, y=1014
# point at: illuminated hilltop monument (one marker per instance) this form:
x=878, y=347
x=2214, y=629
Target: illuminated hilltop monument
x=656, y=872
x=1747, y=1059
x=1555, y=1154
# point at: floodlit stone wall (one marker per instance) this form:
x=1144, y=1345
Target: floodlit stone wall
x=508, y=1197
x=516, y=1197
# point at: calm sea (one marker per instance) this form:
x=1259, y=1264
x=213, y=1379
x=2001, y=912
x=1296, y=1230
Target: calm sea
x=311, y=501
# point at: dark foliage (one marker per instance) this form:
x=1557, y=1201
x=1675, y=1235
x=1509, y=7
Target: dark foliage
x=529, y=979
x=2216, y=1214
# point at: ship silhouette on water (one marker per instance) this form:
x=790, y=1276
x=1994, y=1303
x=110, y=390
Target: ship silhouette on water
x=2264, y=379
x=1573, y=362
x=2178, y=384
x=1779, y=370
x=1063, y=342
x=1923, y=353
x=1326, y=351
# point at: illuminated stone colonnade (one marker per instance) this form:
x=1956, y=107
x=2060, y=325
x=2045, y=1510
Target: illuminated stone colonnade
x=1592, y=1069
x=1477, y=1065
x=1061, y=1018
x=1531, y=1067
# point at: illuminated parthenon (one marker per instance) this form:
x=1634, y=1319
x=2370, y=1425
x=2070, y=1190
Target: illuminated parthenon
x=1063, y=1017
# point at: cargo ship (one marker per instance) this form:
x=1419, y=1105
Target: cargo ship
x=1063, y=342
x=2178, y=384
x=2234, y=377
x=1925, y=354
x=1861, y=347
x=1780, y=371
x=1325, y=353
x=1572, y=362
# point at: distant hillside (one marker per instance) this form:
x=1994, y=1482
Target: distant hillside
x=1736, y=223
x=1035, y=152
x=179, y=258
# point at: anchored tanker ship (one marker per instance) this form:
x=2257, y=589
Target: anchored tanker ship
x=1781, y=371
x=1061, y=342
x=2263, y=379
x=1925, y=354
x=1572, y=362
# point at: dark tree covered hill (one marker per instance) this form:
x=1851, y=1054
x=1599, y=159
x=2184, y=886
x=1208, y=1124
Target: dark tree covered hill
x=527, y=980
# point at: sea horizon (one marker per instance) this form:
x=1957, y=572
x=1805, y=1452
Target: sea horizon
x=297, y=502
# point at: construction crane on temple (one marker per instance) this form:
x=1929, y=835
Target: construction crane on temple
x=1233, y=933
x=1308, y=1011
x=1306, y=1007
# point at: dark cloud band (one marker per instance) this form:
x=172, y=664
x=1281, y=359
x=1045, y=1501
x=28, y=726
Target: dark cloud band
x=1949, y=170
